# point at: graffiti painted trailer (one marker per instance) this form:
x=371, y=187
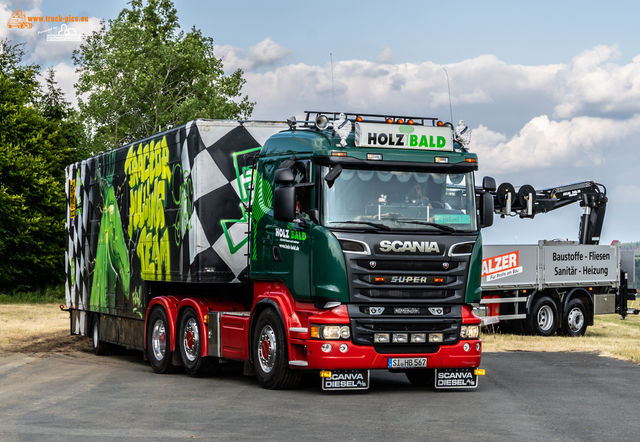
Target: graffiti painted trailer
x=335, y=247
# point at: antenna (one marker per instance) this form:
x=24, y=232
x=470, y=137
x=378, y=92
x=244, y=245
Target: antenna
x=449, y=88
x=333, y=95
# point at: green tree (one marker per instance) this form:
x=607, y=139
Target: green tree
x=140, y=74
x=38, y=138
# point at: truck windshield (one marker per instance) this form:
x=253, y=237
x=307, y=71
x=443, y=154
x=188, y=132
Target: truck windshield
x=399, y=200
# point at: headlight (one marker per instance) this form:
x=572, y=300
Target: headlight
x=470, y=332
x=331, y=332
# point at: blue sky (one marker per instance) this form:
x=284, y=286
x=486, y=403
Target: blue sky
x=551, y=90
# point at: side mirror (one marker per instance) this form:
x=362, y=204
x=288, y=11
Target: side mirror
x=486, y=209
x=284, y=202
x=283, y=176
x=334, y=173
x=489, y=184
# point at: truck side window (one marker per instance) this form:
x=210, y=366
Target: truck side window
x=304, y=194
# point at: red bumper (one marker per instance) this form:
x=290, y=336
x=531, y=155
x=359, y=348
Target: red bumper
x=365, y=357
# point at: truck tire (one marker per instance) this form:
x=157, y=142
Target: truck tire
x=270, y=355
x=190, y=340
x=159, y=342
x=543, y=319
x=422, y=378
x=100, y=347
x=574, y=322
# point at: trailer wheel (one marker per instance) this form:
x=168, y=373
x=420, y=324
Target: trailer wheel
x=159, y=342
x=190, y=340
x=543, y=319
x=270, y=356
x=422, y=378
x=575, y=318
x=99, y=347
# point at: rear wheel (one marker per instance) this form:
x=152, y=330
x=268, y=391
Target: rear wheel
x=575, y=318
x=99, y=347
x=159, y=342
x=422, y=378
x=190, y=340
x=543, y=319
x=270, y=356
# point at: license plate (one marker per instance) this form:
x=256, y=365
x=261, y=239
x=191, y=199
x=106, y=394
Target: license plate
x=346, y=380
x=407, y=362
x=456, y=378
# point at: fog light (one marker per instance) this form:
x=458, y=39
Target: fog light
x=466, y=346
x=381, y=338
x=435, y=337
x=419, y=337
x=327, y=347
x=478, y=346
x=400, y=338
x=344, y=348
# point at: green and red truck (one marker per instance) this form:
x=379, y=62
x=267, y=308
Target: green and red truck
x=335, y=245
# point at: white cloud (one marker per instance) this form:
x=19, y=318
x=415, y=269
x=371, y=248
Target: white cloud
x=593, y=80
x=265, y=53
x=385, y=56
x=544, y=143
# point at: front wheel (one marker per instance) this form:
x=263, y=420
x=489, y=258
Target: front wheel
x=543, y=319
x=575, y=318
x=422, y=378
x=190, y=340
x=270, y=355
x=159, y=342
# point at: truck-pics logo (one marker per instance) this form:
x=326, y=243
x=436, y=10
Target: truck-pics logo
x=501, y=266
x=409, y=246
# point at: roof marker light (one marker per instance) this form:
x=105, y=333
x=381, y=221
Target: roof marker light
x=389, y=120
x=441, y=160
x=374, y=156
x=410, y=122
x=440, y=124
x=400, y=120
x=359, y=119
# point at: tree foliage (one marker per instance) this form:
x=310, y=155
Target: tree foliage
x=39, y=136
x=140, y=73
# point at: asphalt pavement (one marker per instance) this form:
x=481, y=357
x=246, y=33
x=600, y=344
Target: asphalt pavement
x=524, y=396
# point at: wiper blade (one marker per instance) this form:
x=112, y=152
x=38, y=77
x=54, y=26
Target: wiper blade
x=425, y=223
x=368, y=223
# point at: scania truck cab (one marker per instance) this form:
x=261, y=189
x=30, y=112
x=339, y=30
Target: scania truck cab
x=375, y=235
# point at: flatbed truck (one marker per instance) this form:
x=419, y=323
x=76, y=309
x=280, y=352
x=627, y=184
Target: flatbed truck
x=555, y=286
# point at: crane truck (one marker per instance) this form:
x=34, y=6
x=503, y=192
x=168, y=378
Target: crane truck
x=334, y=245
x=555, y=286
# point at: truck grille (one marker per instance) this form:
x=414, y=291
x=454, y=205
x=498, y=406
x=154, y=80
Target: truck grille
x=408, y=294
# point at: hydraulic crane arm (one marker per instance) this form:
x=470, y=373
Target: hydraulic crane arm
x=528, y=202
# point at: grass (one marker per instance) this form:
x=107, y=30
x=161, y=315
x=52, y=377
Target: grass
x=609, y=336
x=35, y=328
x=49, y=295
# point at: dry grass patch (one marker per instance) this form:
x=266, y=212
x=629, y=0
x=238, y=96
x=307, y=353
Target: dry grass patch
x=609, y=336
x=33, y=328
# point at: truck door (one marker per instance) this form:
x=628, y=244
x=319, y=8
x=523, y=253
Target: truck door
x=292, y=240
